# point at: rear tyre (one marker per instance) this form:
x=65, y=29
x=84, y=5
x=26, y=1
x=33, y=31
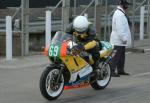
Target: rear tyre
x=106, y=77
x=49, y=87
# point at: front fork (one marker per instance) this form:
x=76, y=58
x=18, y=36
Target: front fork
x=58, y=80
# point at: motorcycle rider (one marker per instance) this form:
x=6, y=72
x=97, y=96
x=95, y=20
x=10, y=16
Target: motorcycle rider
x=85, y=34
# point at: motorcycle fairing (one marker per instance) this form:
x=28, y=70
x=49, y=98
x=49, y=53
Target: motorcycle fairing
x=76, y=65
x=58, y=50
x=80, y=81
x=106, y=49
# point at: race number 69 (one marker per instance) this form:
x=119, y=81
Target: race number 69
x=53, y=51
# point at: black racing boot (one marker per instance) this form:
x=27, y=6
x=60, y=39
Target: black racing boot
x=97, y=70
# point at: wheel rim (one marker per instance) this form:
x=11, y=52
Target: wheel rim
x=52, y=88
x=106, y=74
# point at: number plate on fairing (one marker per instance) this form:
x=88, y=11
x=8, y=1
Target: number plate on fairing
x=54, y=51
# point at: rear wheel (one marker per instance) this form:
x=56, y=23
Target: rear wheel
x=49, y=87
x=99, y=84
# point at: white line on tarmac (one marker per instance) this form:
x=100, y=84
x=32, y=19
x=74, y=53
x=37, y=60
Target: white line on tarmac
x=128, y=52
x=141, y=74
x=147, y=49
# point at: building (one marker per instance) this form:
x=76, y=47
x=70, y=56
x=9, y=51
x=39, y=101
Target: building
x=44, y=3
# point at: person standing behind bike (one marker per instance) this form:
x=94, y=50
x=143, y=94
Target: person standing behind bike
x=120, y=37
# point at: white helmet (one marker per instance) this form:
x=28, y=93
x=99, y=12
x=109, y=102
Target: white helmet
x=80, y=23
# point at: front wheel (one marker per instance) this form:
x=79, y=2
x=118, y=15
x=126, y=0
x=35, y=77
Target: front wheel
x=106, y=77
x=49, y=86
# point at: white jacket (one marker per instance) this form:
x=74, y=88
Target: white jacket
x=120, y=29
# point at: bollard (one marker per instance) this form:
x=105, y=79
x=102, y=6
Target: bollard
x=8, y=38
x=48, y=28
x=142, y=23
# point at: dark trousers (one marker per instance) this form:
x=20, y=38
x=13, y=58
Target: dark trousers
x=118, y=61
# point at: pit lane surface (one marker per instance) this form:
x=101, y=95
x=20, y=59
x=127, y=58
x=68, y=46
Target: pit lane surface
x=21, y=85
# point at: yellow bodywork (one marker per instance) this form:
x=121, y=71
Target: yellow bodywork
x=105, y=53
x=74, y=63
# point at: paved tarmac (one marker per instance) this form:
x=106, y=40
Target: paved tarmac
x=21, y=85
x=23, y=62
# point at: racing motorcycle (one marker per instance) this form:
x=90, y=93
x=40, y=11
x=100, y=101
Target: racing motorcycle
x=69, y=68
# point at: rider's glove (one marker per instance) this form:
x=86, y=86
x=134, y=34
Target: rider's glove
x=79, y=47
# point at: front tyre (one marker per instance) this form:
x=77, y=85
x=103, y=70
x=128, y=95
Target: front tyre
x=49, y=87
x=106, y=77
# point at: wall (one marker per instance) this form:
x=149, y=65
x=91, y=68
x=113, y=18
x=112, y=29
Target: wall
x=16, y=46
